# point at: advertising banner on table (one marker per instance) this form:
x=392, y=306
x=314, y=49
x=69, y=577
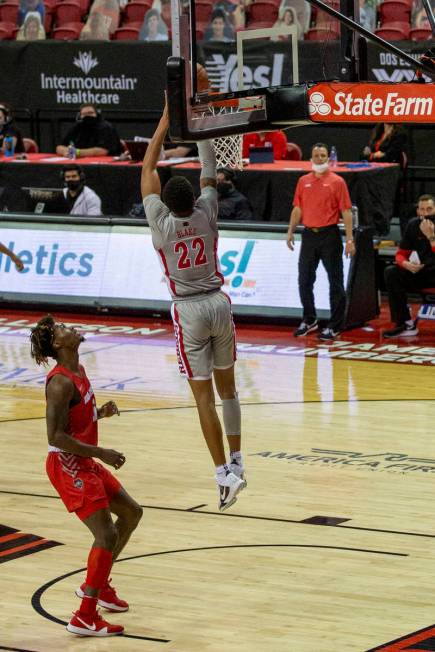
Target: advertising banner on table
x=115, y=265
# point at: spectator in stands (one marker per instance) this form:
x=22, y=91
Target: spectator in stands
x=234, y=11
x=286, y=17
x=278, y=139
x=107, y=24
x=153, y=27
x=27, y=6
x=180, y=150
x=414, y=268
x=303, y=12
x=232, y=204
x=367, y=14
x=32, y=29
x=321, y=200
x=8, y=128
x=387, y=144
x=80, y=199
x=91, y=135
x=219, y=28
x=96, y=28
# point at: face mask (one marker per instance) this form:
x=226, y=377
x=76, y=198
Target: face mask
x=73, y=184
x=320, y=168
x=223, y=188
x=89, y=120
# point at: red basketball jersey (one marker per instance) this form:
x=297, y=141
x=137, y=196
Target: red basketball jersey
x=82, y=418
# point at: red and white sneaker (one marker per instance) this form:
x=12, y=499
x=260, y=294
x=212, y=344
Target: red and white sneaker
x=108, y=598
x=84, y=625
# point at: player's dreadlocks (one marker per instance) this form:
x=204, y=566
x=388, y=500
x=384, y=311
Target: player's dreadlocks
x=41, y=340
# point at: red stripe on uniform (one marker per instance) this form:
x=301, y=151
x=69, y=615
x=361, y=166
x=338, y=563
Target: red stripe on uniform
x=179, y=333
x=165, y=267
x=216, y=262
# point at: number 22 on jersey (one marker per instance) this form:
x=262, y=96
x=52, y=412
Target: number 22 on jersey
x=191, y=253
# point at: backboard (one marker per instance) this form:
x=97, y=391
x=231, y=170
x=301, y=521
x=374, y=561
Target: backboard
x=258, y=81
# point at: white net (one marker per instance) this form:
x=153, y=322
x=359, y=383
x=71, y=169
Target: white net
x=228, y=149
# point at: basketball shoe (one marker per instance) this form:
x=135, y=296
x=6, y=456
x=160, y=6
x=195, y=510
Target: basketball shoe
x=238, y=470
x=108, y=598
x=228, y=489
x=94, y=625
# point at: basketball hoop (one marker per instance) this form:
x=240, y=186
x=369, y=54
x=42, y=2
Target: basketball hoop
x=228, y=149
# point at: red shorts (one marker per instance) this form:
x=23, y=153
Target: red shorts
x=85, y=486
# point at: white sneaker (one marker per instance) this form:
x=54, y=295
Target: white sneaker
x=238, y=470
x=228, y=489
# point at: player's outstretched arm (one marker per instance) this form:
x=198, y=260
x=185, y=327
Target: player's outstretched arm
x=150, y=182
x=17, y=261
x=60, y=392
x=207, y=158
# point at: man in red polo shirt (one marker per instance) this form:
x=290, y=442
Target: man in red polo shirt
x=277, y=139
x=321, y=200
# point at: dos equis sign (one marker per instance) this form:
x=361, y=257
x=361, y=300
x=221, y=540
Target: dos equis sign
x=371, y=102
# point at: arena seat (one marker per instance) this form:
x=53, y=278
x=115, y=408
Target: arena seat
x=294, y=152
x=135, y=11
x=394, y=10
x=203, y=10
x=126, y=33
x=263, y=10
x=392, y=33
x=30, y=146
x=65, y=33
x=8, y=12
x=69, y=11
x=8, y=30
x=420, y=34
x=323, y=33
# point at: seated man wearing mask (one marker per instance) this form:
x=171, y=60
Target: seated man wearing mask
x=76, y=197
x=232, y=205
x=91, y=135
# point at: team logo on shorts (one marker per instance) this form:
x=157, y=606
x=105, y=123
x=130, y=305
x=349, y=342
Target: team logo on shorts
x=78, y=483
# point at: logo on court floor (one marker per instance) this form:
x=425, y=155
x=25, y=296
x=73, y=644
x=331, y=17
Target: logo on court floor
x=14, y=544
x=424, y=639
x=391, y=462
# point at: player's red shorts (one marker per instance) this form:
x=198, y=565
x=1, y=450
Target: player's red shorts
x=84, y=485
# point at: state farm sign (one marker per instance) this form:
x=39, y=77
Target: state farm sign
x=366, y=102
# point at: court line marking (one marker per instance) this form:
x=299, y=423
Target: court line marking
x=37, y=595
x=196, y=510
x=244, y=405
x=15, y=649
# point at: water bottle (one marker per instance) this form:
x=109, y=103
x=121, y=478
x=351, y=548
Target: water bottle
x=8, y=146
x=71, y=151
x=333, y=158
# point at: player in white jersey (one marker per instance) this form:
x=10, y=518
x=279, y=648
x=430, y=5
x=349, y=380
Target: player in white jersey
x=185, y=236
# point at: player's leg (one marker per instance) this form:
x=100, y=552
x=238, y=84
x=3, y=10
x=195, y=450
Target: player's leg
x=307, y=267
x=224, y=356
x=86, y=621
x=203, y=394
x=226, y=388
x=129, y=514
x=332, y=259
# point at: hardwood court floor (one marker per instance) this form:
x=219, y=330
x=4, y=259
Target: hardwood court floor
x=328, y=432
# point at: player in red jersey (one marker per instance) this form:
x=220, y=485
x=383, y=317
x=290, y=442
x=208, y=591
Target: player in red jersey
x=85, y=486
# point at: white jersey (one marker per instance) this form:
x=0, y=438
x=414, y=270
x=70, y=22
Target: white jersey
x=187, y=246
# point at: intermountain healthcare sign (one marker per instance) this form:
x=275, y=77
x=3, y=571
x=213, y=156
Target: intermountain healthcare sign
x=368, y=102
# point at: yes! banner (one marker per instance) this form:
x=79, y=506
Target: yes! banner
x=368, y=102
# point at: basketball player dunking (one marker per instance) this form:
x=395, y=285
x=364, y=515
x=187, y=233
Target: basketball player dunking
x=185, y=236
x=85, y=486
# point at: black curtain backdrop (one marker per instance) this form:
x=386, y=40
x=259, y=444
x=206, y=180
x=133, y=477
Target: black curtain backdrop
x=127, y=80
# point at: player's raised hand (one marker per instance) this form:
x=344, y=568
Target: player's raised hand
x=108, y=410
x=18, y=264
x=112, y=457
